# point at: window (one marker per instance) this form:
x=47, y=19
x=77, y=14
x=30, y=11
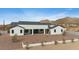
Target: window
x=36, y=31
x=20, y=31
x=54, y=30
x=26, y=31
x=61, y=30
x=41, y=29
x=12, y=31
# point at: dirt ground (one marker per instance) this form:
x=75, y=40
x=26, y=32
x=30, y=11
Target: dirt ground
x=7, y=44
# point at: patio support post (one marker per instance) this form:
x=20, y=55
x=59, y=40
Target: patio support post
x=44, y=31
x=32, y=31
x=29, y=31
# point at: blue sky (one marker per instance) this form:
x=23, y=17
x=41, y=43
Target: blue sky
x=36, y=14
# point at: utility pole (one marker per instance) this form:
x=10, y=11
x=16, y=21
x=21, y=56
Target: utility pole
x=3, y=25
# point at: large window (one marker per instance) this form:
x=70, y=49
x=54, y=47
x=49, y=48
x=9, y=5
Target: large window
x=20, y=31
x=26, y=31
x=36, y=31
x=54, y=30
x=12, y=31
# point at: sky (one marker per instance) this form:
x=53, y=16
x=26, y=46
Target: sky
x=36, y=14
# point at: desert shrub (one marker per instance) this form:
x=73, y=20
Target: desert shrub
x=27, y=45
x=0, y=33
x=42, y=43
x=64, y=41
x=56, y=42
x=14, y=38
x=72, y=40
x=64, y=33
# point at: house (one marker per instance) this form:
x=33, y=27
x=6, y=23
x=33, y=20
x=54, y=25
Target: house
x=26, y=28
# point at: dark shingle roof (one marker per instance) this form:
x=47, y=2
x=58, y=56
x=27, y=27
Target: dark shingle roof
x=55, y=26
x=28, y=23
x=14, y=23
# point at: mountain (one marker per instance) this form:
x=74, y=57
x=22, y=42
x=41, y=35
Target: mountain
x=62, y=20
x=67, y=20
x=44, y=21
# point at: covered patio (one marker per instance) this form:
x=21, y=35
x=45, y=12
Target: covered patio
x=36, y=31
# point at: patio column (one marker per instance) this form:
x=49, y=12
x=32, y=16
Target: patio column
x=29, y=31
x=44, y=31
x=39, y=31
x=32, y=31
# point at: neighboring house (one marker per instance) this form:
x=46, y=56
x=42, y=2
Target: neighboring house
x=26, y=28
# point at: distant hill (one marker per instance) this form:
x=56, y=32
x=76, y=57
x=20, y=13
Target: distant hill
x=62, y=20
x=44, y=21
x=67, y=20
x=5, y=27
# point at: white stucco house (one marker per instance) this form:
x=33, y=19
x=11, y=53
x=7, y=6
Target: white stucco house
x=30, y=28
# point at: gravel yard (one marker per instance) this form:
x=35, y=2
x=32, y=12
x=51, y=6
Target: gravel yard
x=7, y=44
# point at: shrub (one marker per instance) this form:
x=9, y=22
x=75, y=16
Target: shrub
x=0, y=33
x=42, y=43
x=14, y=38
x=72, y=40
x=56, y=42
x=64, y=41
x=64, y=33
x=27, y=45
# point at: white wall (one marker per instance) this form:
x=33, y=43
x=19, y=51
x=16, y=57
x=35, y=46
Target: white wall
x=58, y=30
x=16, y=31
x=35, y=26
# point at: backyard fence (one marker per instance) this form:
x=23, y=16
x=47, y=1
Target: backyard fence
x=72, y=32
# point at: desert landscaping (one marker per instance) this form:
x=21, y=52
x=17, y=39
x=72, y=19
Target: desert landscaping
x=6, y=42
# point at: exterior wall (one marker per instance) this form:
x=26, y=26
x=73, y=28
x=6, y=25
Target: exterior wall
x=35, y=26
x=58, y=30
x=16, y=31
